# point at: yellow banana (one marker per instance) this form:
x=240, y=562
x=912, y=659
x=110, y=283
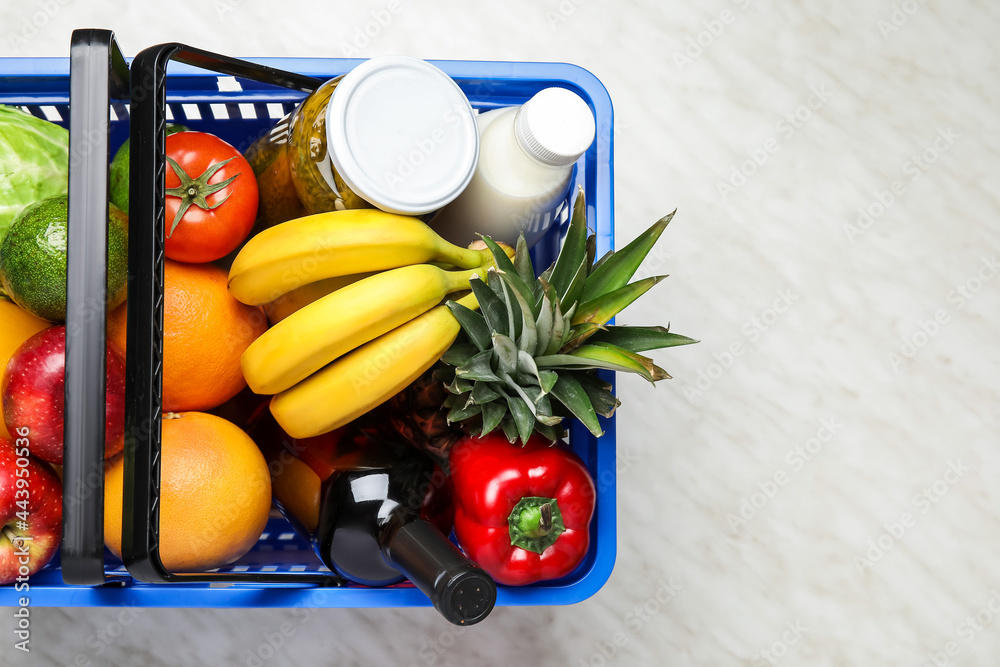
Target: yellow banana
x=302, y=251
x=299, y=298
x=334, y=325
x=368, y=376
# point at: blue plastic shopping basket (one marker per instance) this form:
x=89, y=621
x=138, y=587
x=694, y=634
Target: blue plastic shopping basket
x=98, y=95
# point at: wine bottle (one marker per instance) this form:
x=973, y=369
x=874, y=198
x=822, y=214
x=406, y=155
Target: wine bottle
x=376, y=512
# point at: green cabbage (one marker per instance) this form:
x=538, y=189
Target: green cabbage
x=34, y=162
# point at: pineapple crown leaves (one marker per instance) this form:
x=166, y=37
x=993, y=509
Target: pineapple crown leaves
x=530, y=355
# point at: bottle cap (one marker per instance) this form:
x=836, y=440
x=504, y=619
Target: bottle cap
x=402, y=135
x=468, y=597
x=555, y=127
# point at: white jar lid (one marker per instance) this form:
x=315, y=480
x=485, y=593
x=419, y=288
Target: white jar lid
x=402, y=135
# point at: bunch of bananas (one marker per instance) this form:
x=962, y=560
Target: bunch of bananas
x=355, y=298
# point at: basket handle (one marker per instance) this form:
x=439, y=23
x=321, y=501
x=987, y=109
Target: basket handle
x=144, y=355
x=98, y=72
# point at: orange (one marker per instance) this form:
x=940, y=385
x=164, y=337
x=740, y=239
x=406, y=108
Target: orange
x=205, y=331
x=16, y=326
x=215, y=493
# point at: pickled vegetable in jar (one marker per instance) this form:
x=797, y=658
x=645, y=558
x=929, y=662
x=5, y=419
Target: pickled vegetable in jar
x=270, y=159
x=395, y=133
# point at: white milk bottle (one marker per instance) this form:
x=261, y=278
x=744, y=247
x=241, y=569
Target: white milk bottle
x=526, y=157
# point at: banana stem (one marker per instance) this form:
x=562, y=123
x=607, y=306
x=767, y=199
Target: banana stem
x=463, y=258
x=459, y=280
x=475, y=256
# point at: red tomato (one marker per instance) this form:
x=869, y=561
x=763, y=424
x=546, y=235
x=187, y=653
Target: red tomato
x=217, y=207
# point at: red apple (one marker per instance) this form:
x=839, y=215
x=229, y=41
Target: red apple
x=33, y=395
x=30, y=511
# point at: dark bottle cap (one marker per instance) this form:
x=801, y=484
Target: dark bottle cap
x=467, y=598
x=460, y=590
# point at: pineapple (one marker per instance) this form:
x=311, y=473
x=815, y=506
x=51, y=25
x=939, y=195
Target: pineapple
x=531, y=353
x=415, y=416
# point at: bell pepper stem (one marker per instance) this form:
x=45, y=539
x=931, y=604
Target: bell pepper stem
x=535, y=523
x=545, y=520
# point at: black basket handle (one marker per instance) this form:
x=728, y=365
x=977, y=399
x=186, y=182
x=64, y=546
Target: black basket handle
x=98, y=72
x=144, y=354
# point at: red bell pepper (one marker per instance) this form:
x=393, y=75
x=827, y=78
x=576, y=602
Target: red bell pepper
x=521, y=513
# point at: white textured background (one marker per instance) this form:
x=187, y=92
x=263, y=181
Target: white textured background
x=867, y=546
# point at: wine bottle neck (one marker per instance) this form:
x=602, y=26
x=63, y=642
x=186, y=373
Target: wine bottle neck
x=459, y=589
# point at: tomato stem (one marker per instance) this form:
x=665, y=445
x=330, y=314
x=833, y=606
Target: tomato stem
x=193, y=191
